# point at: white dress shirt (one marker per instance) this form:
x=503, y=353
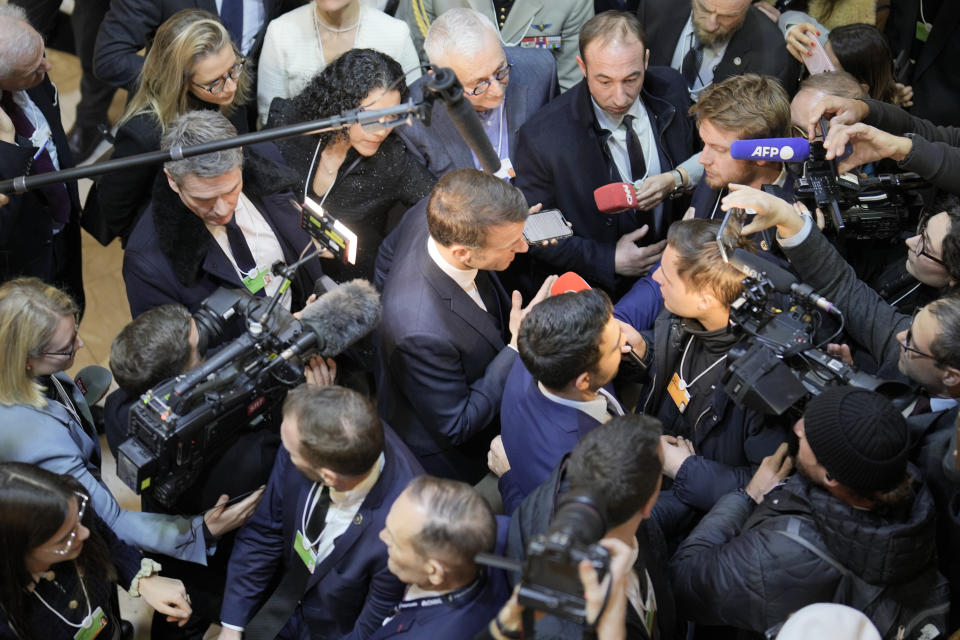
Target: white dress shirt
x=465, y=278
x=711, y=58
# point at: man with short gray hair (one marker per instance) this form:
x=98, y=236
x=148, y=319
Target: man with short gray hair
x=220, y=219
x=506, y=86
x=39, y=229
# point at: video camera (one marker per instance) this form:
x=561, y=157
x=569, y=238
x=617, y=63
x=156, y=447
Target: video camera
x=550, y=577
x=181, y=424
x=779, y=366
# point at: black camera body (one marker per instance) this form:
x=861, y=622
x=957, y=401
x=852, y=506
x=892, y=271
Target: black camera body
x=551, y=579
x=180, y=425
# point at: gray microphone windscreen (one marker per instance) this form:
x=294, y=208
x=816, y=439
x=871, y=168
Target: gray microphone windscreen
x=341, y=317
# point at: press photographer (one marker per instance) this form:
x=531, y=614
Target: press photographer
x=620, y=461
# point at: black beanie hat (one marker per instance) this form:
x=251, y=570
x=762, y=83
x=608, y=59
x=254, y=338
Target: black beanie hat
x=858, y=436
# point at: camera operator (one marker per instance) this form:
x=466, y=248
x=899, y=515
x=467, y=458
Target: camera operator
x=856, y=513
x=877, y=130
x=433, y=531
x=712, y=445
x=621, y=461
x=922, y=348
x=309, y=562
x=570, y=348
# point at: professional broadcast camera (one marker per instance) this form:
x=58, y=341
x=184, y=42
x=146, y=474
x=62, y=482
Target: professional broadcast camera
x=877, y=208
x=550, y=578
x=181, y=424
x=779, y=366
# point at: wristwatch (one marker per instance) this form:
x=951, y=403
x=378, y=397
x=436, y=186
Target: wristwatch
x=677, y=183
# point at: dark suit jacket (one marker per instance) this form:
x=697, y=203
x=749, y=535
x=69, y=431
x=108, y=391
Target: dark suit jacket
x=443, y=362
x=26, y=226
x=561, y=158
x=171, y=257
x=537, y=432
x=130, y=25
x=352, y=590
x=533, y=83
x=462, y=619
x=757, y=47
x=935, y=81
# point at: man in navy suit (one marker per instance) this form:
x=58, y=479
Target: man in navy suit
x=215, y=222
x=506, y=86
x=625, y=122
x=570, y=347
x=433, y=532
x=447, y=322
x=39, y=229
x=316, y=528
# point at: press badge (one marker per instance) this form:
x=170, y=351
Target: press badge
x=257, y=282
x=92, y=625
x=506, y=171
x=308, y=555
x=923, y=30
x=678, y=391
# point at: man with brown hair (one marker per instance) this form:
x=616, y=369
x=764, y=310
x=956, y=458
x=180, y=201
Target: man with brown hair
x=739, y=108
x=448, y=334
x=711, y=445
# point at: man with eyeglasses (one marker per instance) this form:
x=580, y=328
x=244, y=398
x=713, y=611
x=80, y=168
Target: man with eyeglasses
x=925, y=349
x=506, y=86
x=219, y=219
x=711, y=40
x=624, y=122
x=39, y=229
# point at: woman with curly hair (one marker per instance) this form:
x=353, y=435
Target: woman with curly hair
x=192, y=64
x=61, y=564
x=362, y=175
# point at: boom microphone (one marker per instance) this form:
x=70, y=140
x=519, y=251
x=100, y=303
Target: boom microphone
x=443, y=83
x=616, y=197
x=337, y=320
x=783, y=281
x=771, y=149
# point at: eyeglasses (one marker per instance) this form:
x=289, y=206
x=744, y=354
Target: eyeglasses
x=908, y=338
x=64, y=549
x=217, y=85
x=73, y=345
x=921, y=248
x=500, y=75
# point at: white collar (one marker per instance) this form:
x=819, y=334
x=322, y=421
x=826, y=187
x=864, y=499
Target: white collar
x=463, y=277
x=596, y=408
x=612, y=123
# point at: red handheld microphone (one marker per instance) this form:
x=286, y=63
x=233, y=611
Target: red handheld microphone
x=616, y=197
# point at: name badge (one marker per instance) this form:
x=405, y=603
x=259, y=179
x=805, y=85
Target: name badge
x=93, y=624
x=678, y=391
x=542, y=42
x=923, y=30
x=259, y=281
x=506, y=171
x=308, y=555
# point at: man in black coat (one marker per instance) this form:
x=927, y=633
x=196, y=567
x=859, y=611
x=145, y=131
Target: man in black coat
x=854, y=514
x=620, y=462
x=709, y=41
x=39, y=229
x=214, y=222
x=624, y=122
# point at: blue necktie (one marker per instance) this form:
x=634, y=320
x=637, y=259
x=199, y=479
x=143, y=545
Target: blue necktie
x=231, y=16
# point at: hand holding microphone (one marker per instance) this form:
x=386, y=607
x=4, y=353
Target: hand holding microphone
x=621, y=196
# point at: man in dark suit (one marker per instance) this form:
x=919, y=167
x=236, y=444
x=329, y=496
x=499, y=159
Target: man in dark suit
x=315, y=531
x=39, y=229
x=447, y=323
x=506, y=86
x=433, y=532
x=570, y=348
x=624, y=122
x=711, y=40
x=621, y=463
x=214, y=222
x=130, y=24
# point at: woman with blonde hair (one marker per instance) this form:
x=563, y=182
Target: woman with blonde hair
x=44, y=420
x=192, y=64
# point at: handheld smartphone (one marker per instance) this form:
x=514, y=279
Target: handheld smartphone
x=546, y=226
x=819, y=61
x=735, y=218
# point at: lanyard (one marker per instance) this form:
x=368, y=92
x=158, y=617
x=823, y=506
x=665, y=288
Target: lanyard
x=313, y=497
x=447, y=598
x=65, y=400
x=87, y=620
x=683, y=358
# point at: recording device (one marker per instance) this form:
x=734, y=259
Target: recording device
x=856, y=208
x=779, y=366
x=818, y=61
x=550, y=577
x=443, y=84
x=181, y=424
x=327, y=230
x=545, y=226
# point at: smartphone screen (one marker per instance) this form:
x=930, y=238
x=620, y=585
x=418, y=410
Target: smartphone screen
x=545, y=226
